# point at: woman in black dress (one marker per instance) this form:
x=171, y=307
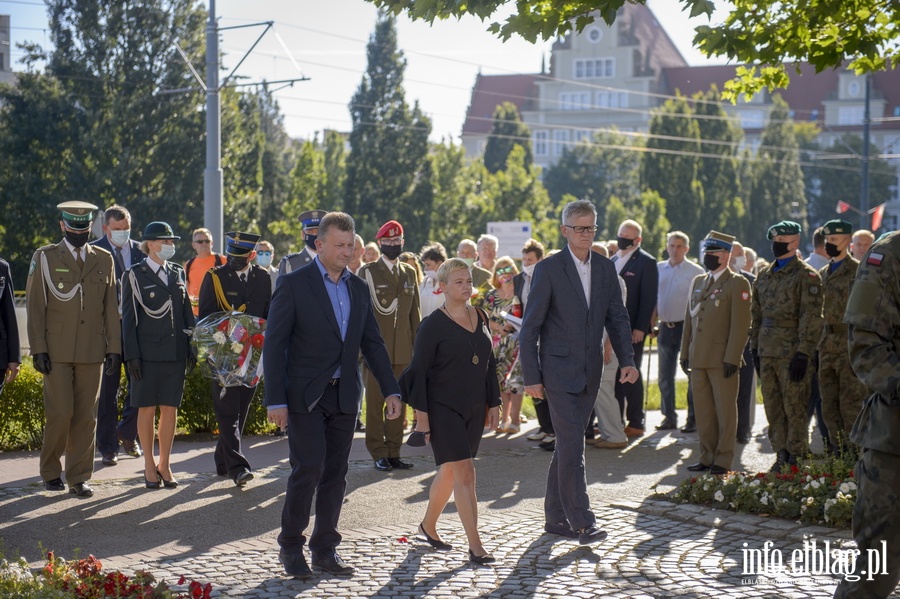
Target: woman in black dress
x=450, y=382
x=156, y=316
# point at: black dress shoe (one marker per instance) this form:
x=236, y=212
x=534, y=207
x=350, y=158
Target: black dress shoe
x=698, y=467
x=169, y=484
x=110, y=459
x=383, y=465
x=151, y=484
x=667, y=425
x=562, y=529
x=54, y=485
x=81, y=490
x=743, y=439
x=243, y=477
x=591, y=534
x=548, y=445
x=717, y=470
x=436, y=544
x=481, y=560
x=399, y=464
x=295, y=565
x=689, y=427
x=332, y=563
x=130, y=446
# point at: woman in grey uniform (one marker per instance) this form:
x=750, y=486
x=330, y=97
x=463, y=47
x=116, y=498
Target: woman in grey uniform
x=156, y=323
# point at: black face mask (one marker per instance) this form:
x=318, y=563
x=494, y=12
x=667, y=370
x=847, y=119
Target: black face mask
x=391, y=252
x=310, y=241
x=625, y=243
x=77, y=239
x=711, y=261
x=779, y=248
x=832, y=250
x=238, y=263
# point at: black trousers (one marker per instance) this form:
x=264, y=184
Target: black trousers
x=542, y=410
x=231, y=413
x=109, y=427
x=745, y=400
x=320, y=449
x=631, y=395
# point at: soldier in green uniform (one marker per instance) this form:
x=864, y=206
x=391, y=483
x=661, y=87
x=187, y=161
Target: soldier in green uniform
x=841, y=390
x=715, y=333
x=873, y=323
x=786, y=326
x=74, y=331
x=395, y=299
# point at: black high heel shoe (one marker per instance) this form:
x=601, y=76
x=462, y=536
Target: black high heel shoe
x=150, y=484
x=438, y=545
x=481, y=560
x=169, y=484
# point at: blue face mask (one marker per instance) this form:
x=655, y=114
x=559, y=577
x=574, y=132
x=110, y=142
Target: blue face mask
x=264, y=259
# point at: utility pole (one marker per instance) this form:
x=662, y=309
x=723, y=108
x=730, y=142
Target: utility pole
x=213, y=204
x=212, y=177
x=864, y=186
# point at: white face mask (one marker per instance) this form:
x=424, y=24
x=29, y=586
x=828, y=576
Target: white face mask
x=528, y=269
x=120, y=238
x=739, y=263
x=431, y=274
x=166, y=251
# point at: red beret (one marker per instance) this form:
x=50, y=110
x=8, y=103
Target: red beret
x=390, y=229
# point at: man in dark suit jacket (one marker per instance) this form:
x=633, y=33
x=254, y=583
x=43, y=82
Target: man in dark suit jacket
x=639, y=271
x=126, y=253
x=745, y=401
x=238, y=286
x=320, y=321
x=9, y=328
x=574, y=295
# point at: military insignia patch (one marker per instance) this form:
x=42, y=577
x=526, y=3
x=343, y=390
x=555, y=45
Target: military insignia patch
x=813, y=290
x=32, y=267
x=745, y=295
x=875, y=259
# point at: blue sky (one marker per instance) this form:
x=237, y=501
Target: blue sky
x=327, y=40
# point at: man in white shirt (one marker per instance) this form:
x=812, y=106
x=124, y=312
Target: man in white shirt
x=675, y=276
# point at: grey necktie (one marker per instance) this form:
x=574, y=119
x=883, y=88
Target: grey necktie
x=119, y=260
x=79, y=260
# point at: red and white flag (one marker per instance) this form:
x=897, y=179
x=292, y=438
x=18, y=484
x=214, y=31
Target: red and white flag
x=842, y=207
x=877, y=216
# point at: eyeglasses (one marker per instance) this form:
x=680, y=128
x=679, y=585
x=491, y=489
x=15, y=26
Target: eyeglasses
x=582, y=230
x=397, y=241
x=263, y=253
x=202, y=241
x=504, y=270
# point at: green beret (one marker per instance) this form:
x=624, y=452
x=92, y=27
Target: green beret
x=785, y=227
x=837, y=227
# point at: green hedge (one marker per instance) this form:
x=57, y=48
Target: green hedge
x=22, y=409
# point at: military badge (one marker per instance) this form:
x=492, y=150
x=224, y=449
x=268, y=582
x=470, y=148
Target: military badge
x=875, y=259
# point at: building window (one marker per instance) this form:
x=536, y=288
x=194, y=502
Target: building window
x=853, y=89
x=851, y=115
x=540, y=143
x=595, y=68
x=575, y=101
x=594, y=35
x=612, y=99
x=752, y=119
x=560, y=139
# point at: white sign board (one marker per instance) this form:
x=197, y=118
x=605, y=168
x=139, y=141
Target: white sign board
x=512, y=236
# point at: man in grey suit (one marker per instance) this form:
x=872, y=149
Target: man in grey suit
x=574, y=295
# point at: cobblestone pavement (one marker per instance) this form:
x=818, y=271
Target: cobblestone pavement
x=654, y=549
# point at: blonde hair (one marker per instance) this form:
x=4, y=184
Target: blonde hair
x=449, y=267
x=502, y=262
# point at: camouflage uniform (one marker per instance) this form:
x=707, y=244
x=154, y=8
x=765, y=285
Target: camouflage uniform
x=873, y=319
x=786, y=320
x=842, y=392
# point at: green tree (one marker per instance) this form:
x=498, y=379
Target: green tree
x=670, y=164
x=507, y=132
x=717, y=168
x=277, y=163
x=307, y=180
x=389, y=140
x=113, y=137
x=335, y=164
x=243, y=149
x=840, y=179
x=777, y=189
x=607, y=165
x=826, y=34
x=459, y=203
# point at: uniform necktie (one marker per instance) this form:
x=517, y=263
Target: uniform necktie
x=244, y=278
x=120, y=262
x=164, y=274
x=79, y=260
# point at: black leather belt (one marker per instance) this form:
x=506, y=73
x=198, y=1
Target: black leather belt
x=334, y=382
x=671, y=325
